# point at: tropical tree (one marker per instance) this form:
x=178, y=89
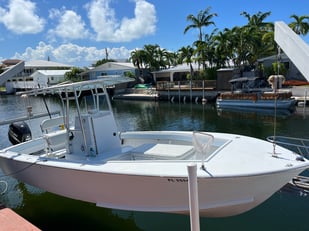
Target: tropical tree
x=74, y=74
x=257, y=20
x=210, y=47
x=153, y=57
x=138, y=58
x=200, y=52
x=186, y=55
x=300, y=26
x=224, y=47
x=268, y=40
x=203, y=19
x=204, y=50
x=252, y=45
x=173, y=59
x=102, y=61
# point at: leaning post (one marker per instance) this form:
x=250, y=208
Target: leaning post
x=193, y=197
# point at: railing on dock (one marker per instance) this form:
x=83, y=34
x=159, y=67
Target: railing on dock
x=185, y=85
x=196, y=90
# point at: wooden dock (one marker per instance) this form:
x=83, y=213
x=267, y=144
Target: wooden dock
x=11, y=221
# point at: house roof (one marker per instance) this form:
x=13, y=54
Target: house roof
x=179, y=68
x=9, y=62
x=113, y=66
x=51, y=72
x=283, y=56
x=44, y=63
x=126, y=64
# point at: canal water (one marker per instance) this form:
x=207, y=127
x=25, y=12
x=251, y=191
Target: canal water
x=286, y=210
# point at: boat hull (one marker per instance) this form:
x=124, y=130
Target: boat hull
x=218, y=196
x=259, y=104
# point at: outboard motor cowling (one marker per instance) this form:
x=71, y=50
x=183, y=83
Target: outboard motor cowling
x=19, y=132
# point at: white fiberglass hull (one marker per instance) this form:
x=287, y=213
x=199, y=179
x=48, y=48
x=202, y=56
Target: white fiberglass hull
x=218, y=197
x=161, y=186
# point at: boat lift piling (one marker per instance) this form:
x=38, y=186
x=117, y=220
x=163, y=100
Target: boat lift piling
x=305, y=100
x=193, y=197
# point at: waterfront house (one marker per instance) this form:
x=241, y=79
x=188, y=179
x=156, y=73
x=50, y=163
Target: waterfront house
x=111, y=69
x=176, y=73
x=19, y=74
x=45, y=78
x=114, y=69
x=292, y=73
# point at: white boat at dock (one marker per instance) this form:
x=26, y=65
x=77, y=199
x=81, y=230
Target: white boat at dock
x=82, y=155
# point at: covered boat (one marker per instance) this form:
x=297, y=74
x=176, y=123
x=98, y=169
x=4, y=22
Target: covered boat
x=257, y=98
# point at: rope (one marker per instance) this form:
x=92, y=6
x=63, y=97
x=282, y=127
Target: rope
x=19, y=171
x=275, y=128
x=12, y=174
x=275, y=105
x=5, y=186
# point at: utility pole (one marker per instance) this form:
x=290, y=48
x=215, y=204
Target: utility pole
x=106, y=54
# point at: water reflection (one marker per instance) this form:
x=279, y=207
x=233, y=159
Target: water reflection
x=164, y=116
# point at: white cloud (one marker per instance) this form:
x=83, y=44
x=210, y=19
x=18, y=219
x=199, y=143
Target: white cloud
x=144, y=22
x=70, y=27
x=42, y=51
x=108, y=28
x=20, y=17
x=72, y=53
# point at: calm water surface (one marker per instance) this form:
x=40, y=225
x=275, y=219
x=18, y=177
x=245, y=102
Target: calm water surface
x=286, y=210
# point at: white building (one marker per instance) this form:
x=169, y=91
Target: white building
x=26, y=76
x=112, y=69
x=45, y=78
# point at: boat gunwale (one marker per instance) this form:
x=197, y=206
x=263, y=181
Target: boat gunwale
x=201, y=173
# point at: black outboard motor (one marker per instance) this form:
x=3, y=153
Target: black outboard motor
x=19, y=132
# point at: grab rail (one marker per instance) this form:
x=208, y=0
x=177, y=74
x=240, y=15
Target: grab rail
x=299, y=145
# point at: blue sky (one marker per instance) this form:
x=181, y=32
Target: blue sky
x=78, y=32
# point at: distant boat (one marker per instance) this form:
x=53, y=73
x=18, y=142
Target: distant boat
x=260, y=100
x=90, y=160
x=252, y=98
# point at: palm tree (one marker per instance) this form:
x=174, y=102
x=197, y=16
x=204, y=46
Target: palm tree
x=300, y=26
x=203, y=19
x=186, y=55
x=156, y=58
x=74, y=74
x=257, y=20
x=224, y=44
x=172, y=59
x=268, y=40
x=137, y=58
x=205, y=49
x=254, y=43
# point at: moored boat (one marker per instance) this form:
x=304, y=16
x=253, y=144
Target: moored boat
x=257, y=100
x=84, y=156
x=251, y=93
